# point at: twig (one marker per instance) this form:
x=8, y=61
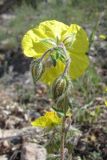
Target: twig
x=14, y=155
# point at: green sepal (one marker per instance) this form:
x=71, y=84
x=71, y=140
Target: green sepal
x=54, y=59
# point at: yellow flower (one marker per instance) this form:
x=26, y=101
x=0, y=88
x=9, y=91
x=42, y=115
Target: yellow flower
x=50, y=119
x=106, y=103
x=106, y=89
x=50, y=33
x=103, y=36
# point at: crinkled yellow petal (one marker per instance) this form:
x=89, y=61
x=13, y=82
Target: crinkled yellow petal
x=79, y=63
x=53, y=29
x=78, y=41
x=33, y=42
x=51, y=73
x=50, y=119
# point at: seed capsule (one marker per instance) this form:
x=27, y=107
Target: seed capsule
x=59, y=87
x=37, y=69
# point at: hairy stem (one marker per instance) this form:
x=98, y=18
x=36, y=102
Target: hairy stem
x=63, y=138
x=68, y=60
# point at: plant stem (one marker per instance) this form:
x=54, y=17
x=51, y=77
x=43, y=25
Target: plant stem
x=68, y=61
x=63, y=138
x=49, y=50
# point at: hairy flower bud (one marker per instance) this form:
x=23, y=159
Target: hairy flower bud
x=59, y=87
x=62, y=104
x=69, y=40
x=37, y=69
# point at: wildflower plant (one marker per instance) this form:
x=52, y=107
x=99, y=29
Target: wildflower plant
x=59, y=56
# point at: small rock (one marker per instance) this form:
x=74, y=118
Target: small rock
x=3, y=158
x=7, y=16
x=6, y=44
x=33, y=151
x=13, y=122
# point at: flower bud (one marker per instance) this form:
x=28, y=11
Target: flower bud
x=59, y=87
x=37, y=69
x=62, y=104
x=69, y=40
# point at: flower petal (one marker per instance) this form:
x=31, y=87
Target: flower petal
x=106, y=103
x=53, y=29
x=53, y=117
x=52, y=72
x=33, y=44
x=34, y=41
x=79, y=63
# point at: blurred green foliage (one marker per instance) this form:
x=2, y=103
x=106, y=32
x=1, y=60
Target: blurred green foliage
x=88, y=85
x=31, y=12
